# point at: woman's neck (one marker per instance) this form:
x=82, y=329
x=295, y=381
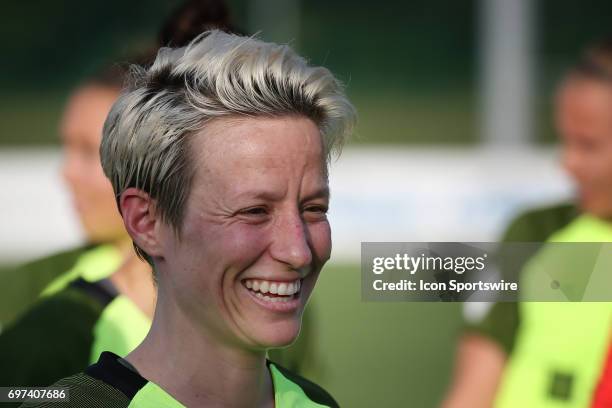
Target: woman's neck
x=198, y=369
x=134, y=279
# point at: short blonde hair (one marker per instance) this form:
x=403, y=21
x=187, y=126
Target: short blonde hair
x=145, y=136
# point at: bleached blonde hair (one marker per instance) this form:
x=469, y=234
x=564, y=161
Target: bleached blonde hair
x=146, y=134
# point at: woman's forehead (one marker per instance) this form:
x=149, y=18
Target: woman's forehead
x=278, y=153
x=258, y=143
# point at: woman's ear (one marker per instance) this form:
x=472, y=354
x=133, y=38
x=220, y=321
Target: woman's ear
x=141, y=220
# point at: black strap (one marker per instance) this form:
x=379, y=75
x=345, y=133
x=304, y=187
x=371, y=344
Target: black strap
x=103, y=290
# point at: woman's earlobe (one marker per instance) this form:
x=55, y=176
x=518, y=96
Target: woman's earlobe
x=140, y=219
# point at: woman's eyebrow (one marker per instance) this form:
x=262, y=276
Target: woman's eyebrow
x=321, y=192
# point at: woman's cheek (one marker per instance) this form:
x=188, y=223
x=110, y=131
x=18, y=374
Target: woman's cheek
x=244, y=242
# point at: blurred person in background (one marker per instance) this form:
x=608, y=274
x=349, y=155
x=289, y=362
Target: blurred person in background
x=80, y=131
x=539, y=354
x=64, y=309
x=99, y=295
x=219, y=154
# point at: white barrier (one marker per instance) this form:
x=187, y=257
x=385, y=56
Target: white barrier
x=378, y=194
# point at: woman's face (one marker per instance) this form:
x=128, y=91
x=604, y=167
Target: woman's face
x=585, y=124
x=92, y=193
x=255, y=233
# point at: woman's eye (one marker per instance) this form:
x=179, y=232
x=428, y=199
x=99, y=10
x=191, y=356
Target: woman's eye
x=316, y=211
x=255, y=211
x=317, y=208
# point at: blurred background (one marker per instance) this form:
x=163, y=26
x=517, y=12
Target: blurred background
x=455, y=137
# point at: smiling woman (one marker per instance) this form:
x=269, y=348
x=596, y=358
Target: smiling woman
x=218, y=155
x=256, y=211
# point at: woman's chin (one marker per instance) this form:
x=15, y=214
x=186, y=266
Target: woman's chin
x=277, y=335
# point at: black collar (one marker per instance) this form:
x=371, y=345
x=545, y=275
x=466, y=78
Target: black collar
x=110, y=370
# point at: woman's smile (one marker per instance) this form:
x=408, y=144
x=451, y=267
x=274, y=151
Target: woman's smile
x=277, y=296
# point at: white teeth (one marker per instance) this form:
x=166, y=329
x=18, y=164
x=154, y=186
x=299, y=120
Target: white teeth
x=284, y=289
x=273, y=299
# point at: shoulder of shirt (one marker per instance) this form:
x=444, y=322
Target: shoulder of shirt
x=537, y=224
x=85, y=391
x=76, y=299
x=500, y=324
x=65, y=321
x=315, y=392
x=104, y=384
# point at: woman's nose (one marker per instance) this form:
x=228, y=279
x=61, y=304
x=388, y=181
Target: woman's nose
x=291, y=242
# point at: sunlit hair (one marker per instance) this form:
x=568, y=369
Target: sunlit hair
x=145, y=141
